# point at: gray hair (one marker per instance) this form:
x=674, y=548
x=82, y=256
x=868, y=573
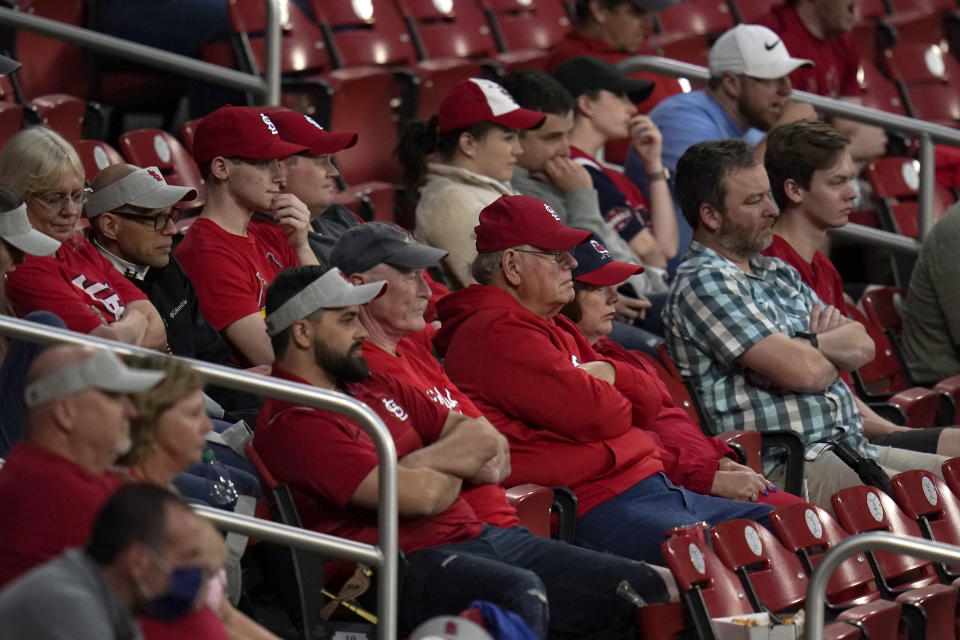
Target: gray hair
x=485, y=266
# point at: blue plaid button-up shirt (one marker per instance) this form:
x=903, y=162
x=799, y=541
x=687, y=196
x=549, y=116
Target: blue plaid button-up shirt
x=714, y=313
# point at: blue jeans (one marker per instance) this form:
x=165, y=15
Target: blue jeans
x=13, y=379
x=633, y=523
x=550, y=584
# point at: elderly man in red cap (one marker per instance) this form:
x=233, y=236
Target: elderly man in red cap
x=229, y=258
x=571, y=418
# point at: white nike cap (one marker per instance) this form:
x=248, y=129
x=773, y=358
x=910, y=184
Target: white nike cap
x=754, y=51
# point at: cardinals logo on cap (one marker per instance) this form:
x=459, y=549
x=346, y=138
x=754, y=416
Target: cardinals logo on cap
x=267, y=121
x=599, y=248
x=313, y=122
x=551, y=212
x=155, y=174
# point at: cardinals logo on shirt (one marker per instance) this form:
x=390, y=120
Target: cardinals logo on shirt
x=103, y=294
x=442, y=397
x=392, y=406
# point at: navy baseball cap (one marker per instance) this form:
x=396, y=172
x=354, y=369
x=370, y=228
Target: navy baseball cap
x=596, y=266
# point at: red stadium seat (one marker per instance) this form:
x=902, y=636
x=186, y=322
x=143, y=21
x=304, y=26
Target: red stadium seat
x=928, y=80
x=62, y=113
x=928, y=501
x=528, y=26
x=11, y=119
x=96, y=155
x=775, y=579
x=878, y=92
x=951, y=474
x=50, y=65
x=749, y=11
x=533, y=503
x=702, y=17
x=153, y=147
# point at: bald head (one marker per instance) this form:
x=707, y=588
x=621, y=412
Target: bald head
x=111, y=174
x=56, y=358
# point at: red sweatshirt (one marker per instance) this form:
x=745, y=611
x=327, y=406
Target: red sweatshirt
x=565, y=427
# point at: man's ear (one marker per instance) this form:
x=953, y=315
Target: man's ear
x=793, y=190
x=731, y=84
x=62, y=413
x=584, y=105
x=220, y=168
x=710, y=217
x=510, y=267
x=598, y=13
x=301, y=334
x=108, y=225
x=357, y=279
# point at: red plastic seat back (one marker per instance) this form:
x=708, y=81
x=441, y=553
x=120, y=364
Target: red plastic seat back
x=462, y=32
x=96, y=155
x=374, y=37
x=697, y=16
x=51, y=65
x=696, y=565
x=861, y=509
x=882, y=306
x=882, y=375
x=302, y=48
x=951, y=474
x=808, y=530
x=11, y=118
x=777, y=576
x=254, y=456
x=528, y=24
x=154, y=147
x=62, y=113
x=878, y=92
x=752, y=10
x=922, y=494
x=894, y=177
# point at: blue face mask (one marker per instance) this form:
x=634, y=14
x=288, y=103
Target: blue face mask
x=178, y=600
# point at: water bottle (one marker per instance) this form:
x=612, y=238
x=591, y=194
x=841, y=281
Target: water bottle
x=220, y=490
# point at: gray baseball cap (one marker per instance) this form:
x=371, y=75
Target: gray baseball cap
x=366, y=245
x=332, y=290
x=144, y=188
x=16, y=229
x=103, y=370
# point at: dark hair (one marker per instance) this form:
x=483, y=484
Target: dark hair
x=582, y=9
x=702, y=173
x=287, y=284
x=572, y=308
x=419, y=139
x=796, y=150
x=135, y=513
x=539, y=91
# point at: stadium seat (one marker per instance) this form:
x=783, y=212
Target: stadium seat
x=749, y=11
x=927, y=80
x=703, y=17
x=895, y=181
x=686, y=47
x=153, y=147
x=951, y=474
x=11, y=119
x=775, y=580
x=50, y=65
x=64, y=114
x=96, y=155
x=928, y=501
x=527, y=27
x=878, y=92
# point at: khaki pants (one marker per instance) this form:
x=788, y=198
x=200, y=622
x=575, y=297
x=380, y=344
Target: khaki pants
x=828, y=474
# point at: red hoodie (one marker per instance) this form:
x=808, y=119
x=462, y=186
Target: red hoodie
x=565, y=427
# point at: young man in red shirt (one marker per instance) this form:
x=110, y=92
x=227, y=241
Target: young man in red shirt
x=229, y=258
x=331, y=465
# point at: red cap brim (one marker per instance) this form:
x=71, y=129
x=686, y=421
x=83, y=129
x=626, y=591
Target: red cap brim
x=520, y=119
x=561, y=239
x=329, y=142
x=610, y=274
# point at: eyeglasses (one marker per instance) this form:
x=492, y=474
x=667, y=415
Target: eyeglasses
x=558, y=256
x=159, y=221
x=57, y=201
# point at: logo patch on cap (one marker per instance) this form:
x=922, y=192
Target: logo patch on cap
x=267, y=121
x=155, y=174
x=313, y=122
x=599, y=248
x=551, y=212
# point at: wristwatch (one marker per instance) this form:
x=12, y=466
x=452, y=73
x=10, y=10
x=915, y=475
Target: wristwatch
x=808, y=336
x=663, y=174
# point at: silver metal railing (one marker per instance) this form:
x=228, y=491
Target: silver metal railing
x=383, y=555
x=875, y=540
x=927, y=133
x=268, y=87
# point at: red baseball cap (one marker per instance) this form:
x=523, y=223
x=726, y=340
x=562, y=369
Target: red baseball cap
x=475, y=100
x=511, y=221
x=596, y=266
x=299, y=128
x=240, y=132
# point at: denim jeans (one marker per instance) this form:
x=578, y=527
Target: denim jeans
x=550, y=584
x=633, y=523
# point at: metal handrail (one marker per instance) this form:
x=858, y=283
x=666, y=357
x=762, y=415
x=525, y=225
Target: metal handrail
x=268, y=86
x=874, y=540
x=384, y=554
x=926, y=132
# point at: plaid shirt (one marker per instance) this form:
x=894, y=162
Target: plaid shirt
x=714, y=313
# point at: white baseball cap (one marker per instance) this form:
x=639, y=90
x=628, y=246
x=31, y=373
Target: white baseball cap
x=754, y=51
x=144, y=188
x=16, y=229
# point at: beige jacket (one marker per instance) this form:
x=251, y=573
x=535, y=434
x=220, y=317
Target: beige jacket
x=449, y=209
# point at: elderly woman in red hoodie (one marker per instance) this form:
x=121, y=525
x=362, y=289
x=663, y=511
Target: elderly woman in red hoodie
x=691, y=459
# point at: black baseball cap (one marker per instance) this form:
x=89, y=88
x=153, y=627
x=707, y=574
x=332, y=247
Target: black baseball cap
x=582, y=74
x=366, y=245
x=596, y=266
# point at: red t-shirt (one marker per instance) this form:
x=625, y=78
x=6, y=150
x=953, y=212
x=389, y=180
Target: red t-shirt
x=835, y=59
x=415, y=365
x=230, y=272
x=77, y=283
x=48, y=503
x=203, y=623
x=324, y=457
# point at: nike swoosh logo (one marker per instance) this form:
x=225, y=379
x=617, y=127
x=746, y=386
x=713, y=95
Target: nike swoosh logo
x=771, y=46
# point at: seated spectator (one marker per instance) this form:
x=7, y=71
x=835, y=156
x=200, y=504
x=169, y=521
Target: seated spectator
x=55, y=480
x=76, y=283
x=562, y=407
x=462, y=160
x=748, y=94
x=546, y=171
x=702, y=464
x=229, y=258
x=820, y=31
x=312, y=177
x=143, y=555
x=605, y=110
x=753, y=340
x=133, y=216
x=931, y=315
x=811, y=177
x=331, y=465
